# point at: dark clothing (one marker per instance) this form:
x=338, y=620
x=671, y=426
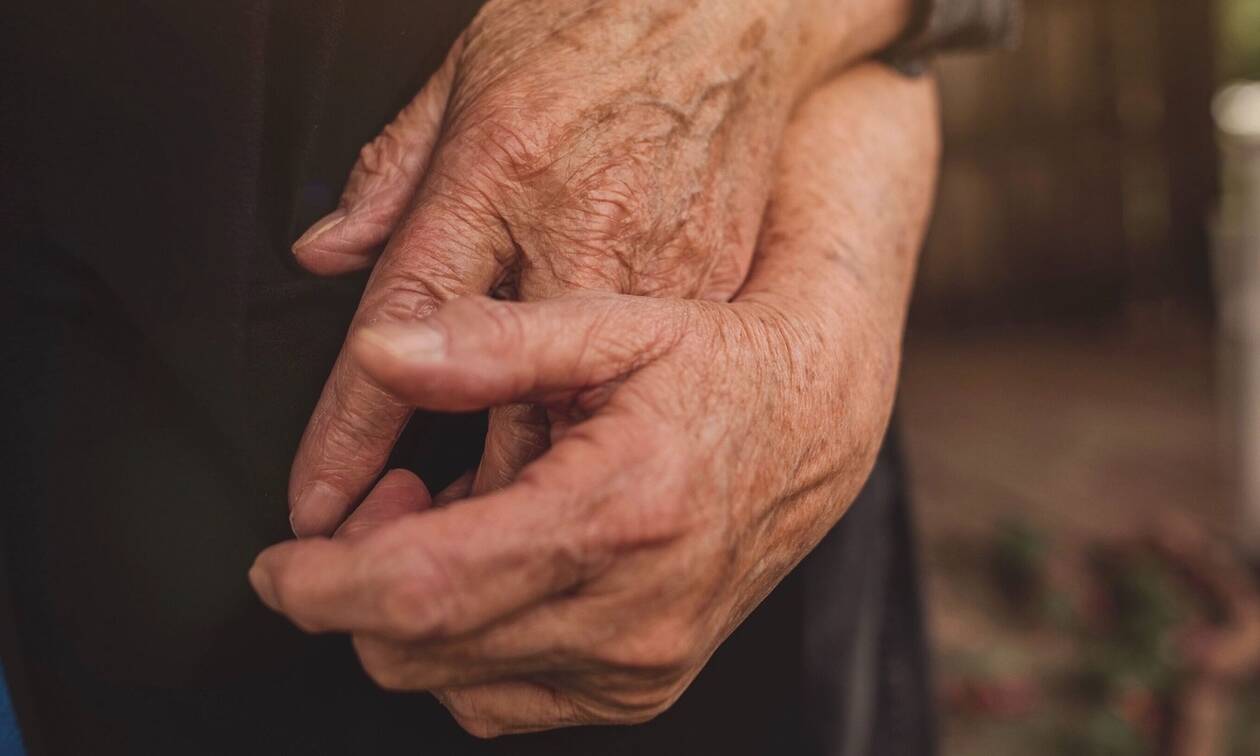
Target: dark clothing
x=943, y=25
x=166, y=353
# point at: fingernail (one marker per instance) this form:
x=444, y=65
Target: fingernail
x=415, y=342
x=262, y=586
x=321, y=227
x=318, y=510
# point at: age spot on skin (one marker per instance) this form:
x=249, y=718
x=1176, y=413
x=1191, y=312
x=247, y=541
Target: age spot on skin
x=753, y=36
x=659, y=23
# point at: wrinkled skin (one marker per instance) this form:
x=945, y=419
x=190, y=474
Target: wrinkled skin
x=565, y=145
x=698, y=450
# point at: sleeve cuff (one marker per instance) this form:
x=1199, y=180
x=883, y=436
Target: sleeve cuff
x=944, y=25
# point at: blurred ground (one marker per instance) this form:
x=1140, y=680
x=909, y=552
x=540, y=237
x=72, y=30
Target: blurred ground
x=1083, y=437
x=1083, y=431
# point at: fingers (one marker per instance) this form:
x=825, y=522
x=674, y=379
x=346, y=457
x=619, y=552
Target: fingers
x=450, y=246
x=381, y=184
x=452, y=570
x=345, y=445
x=517, y=434
x=478, y=352
x=431, y=575
x=399, y=493
x=461, y=488
x=309, y=575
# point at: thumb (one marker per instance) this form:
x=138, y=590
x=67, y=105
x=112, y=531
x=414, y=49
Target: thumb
x=477, y=352
x=381, y=184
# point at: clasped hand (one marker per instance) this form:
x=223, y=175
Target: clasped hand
x=697, y=450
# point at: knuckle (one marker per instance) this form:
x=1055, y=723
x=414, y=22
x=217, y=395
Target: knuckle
x=380, y=164
x=671, y=647
x=576, y=557
x=383, y=664
x=503, y=136
x=469, y=717
x=363, y=416
x=383, y=156
x=637, y=705
x=663, y=514
x=653, y=709
x=405, y=290
x=404, y=614
x=642, y=713
x=665, y=650
x=418, y=602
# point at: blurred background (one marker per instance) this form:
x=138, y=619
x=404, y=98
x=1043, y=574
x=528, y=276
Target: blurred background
x=1077, y=383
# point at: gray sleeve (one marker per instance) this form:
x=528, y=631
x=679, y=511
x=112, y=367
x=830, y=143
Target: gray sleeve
x=941, y=25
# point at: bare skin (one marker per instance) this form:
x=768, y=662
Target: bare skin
x=698, y=451
x=565, y=145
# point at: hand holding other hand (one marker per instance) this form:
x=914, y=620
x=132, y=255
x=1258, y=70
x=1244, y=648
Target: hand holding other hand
x=565, y=145
x=698, y=450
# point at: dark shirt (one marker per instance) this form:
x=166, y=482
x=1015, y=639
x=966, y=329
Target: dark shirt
x=166, y=353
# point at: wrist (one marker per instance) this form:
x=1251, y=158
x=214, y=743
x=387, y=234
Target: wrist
x=835, y=34
x=798, y=44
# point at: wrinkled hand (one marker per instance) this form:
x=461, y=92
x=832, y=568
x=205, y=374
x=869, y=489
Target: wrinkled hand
x=623, y=145
x=699, y=450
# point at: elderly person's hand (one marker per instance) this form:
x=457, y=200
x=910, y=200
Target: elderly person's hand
x=622, y=145
x=699, y=450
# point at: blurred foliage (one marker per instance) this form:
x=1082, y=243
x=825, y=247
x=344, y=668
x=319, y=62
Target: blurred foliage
x=1019, y=563
x=1129, y=667
x=1146, y=606
x=1240, y=39
x=1103, y=734
x=1087, y=655
x=1116, y=688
